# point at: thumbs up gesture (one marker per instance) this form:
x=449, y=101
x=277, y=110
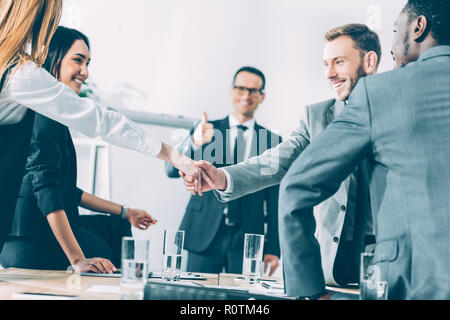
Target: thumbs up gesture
x=204, y=132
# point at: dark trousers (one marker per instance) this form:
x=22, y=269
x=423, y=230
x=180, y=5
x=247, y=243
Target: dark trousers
x=14, y=142
x=100, y=236
x=225, y=254
x=111, y=229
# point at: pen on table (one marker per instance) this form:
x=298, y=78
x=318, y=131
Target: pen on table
x=268, y=280
x=198, y=284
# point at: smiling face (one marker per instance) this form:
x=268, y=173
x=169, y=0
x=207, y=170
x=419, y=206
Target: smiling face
x=245, y=104
x=344, y=66
x=74, y=66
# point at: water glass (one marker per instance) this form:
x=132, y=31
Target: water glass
x=134, y=270
x=172, y=254
x=371, y=286
x=253, y=254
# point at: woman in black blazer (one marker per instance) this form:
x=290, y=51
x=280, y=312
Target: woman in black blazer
x=48, y=232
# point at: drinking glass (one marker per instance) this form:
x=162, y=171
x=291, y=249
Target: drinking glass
x=134, y=270
x=172, y=254
x=253, y=254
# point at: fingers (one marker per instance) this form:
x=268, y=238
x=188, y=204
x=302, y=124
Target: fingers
x=207, y=180
x=100, y=265
x=189, y=178
x=199, y=182
x=203, y=164
x=272, y=269
x=208, y=133
x=145, y=221
x=204, y=117
x=273, y=266
x=273, y=261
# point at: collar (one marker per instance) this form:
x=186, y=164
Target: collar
x=338, y=106
x=435, y=52
x=235, y=122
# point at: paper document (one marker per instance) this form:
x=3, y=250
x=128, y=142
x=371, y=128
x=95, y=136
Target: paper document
x=104, y=289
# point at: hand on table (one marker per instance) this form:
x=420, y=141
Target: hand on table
x=97, y=265
x=274, y=262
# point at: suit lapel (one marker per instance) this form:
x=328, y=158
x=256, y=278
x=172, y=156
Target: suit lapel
x=348, y=184
x=330, y=114
x=333, y=109
x=223, y=126
x=254, y=151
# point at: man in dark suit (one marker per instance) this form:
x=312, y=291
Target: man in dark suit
x=214, y=231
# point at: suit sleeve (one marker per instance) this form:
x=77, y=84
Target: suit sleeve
x=312, y=178
x=44, y=164
x=79, y=194
x=270, y=167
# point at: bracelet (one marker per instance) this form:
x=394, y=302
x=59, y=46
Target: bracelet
x=124, y=211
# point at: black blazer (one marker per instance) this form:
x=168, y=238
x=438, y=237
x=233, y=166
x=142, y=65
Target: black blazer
x=204, y=214
x=14, y=141
x=49, y=183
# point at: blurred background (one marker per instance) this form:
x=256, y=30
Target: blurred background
x=177, y=58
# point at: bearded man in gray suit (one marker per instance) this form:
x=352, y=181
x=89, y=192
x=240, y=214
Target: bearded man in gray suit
x=400, y=122
x=351, y=52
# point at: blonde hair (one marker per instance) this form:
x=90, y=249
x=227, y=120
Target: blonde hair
x=27, y=23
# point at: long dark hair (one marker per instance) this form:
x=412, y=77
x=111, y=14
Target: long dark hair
x=61, y=42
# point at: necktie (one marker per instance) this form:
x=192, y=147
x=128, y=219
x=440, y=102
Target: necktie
x=233, y=215
x=239, y=145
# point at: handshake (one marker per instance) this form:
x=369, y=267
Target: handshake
x=202, y=176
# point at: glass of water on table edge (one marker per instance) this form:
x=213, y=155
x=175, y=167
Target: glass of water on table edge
x=134, y=269
x=172, y=254
x=253, y=254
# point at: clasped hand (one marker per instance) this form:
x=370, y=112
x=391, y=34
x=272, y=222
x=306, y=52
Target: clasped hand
x=201, y=177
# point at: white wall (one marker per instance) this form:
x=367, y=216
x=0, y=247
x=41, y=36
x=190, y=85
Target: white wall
x=183, y=53
x=179, y=56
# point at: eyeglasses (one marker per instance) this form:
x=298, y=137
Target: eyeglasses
x=253, y=92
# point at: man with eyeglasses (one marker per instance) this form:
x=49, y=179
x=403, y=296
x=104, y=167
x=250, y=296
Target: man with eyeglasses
x=343, y=224
x=214, y=231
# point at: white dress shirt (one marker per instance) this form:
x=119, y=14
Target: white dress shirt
x=32, y=87
x=248, y=134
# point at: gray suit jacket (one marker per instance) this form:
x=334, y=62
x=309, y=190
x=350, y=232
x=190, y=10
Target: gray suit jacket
x=269, y=168
x=400, y=121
